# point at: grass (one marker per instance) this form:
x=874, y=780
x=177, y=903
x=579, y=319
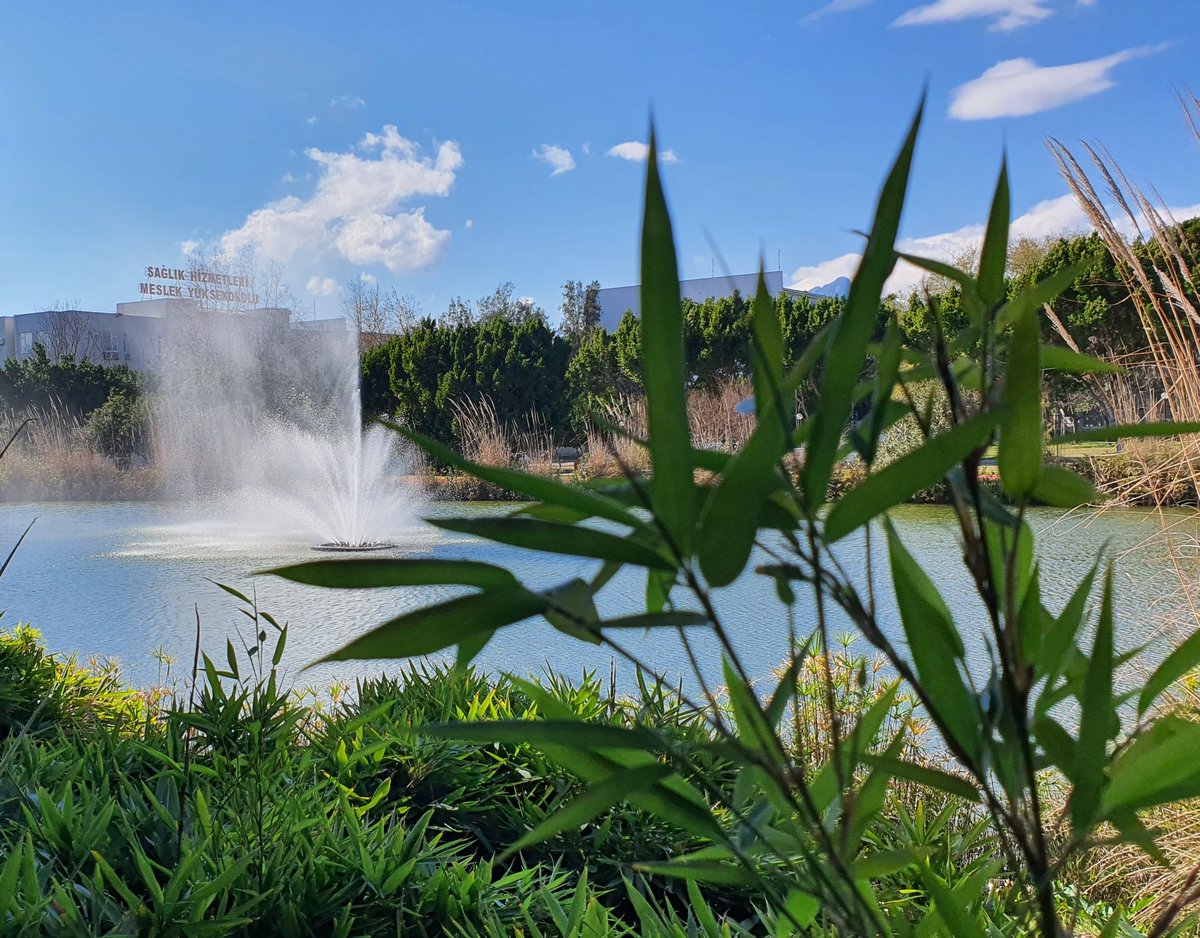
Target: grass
x=241, y=808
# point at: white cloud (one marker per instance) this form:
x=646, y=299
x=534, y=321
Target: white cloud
x=558, y=158
x=1004, y=14
x=1019, y=87
x=469, y=223
x=587, y=149
x=350, y=101
x=835, y=6
x=321, y=286
x=366, y=277
x=355, y=211
x=312, y=119
x=636, y=152
x=1061, y=215
x=189, y=247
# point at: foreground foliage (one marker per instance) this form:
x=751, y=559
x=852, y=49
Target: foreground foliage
x=241, y=809
x=1041, y=707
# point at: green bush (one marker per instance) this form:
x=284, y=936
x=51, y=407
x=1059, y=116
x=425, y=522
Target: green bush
x=800, y=825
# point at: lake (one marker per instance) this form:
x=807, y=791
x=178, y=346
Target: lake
x=122, y=580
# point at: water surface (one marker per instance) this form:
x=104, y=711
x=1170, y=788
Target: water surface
x=122, y=580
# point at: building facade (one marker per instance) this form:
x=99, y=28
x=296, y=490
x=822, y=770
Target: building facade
x=616, y=301
x=134, y=335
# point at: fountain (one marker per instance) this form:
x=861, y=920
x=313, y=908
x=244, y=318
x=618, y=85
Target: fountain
x=261, y=433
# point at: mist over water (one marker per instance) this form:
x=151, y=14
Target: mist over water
x=261, y=434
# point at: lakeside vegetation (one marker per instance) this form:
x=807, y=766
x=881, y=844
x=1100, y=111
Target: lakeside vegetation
x=889, y=793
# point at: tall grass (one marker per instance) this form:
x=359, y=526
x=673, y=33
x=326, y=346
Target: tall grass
x=1159, y=268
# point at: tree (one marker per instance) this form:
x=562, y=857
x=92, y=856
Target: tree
x=501, y=304
x=580, y=311
x=458, y=313
x=238, y=281
x=377, y=314
x=67, y=331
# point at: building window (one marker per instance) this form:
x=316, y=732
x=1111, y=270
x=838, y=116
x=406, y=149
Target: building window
x=109, y=350
x=25, y=343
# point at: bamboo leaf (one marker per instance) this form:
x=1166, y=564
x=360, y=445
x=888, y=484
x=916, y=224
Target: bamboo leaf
x=731, y=517
x=673, y=619
x=993, y=255
x=1037, y=295
x=1129, y=431
x=663, y=365
x=542, y=488
x=920, y=469
x=1095, y=721
x=1159, y=766
x=1185, y=658
x=848, y=343
x=433, y=628
x=927, y=776
x=703, y=871
x=1061, y=358
x=935, y=644
x=594, y=800
x=574, y=733
x=563, y=539
x=374, y=573
x=1063, y=488
x=1020, y=445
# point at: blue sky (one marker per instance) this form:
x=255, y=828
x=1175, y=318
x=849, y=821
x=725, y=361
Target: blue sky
x=443, y=148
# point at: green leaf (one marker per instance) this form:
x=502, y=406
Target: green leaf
x=563, y=539
x=542, y=488
x=1020, y=445
x=672, y=619
x=1061, y=358
x=1159, y=767
x=887, y=364
x=663, y=360
x=941, y=269
x=375, y=573
x=1062, y=488
x=1129, y=431
x=1095, y=721
x=433, y=628
x=1037, y=295
x=1185, y=658
x=594, y=800
x=898, y=481
x=753, y=728
x=936, y=646
x=958, y=920
x=1059, y=639
x=800, y=909
x=571, y=608
x=704, y=871
x=924, y=775
x=730, y=521
x=848, y=344
x=575, y=733
x=993, y=255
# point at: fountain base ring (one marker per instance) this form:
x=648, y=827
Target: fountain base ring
x=342, y=547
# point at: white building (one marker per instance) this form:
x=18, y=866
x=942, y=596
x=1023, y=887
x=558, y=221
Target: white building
x=134, y=335
x=616, y=301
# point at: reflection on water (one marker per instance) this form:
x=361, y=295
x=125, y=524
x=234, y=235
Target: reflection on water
x=121, y=580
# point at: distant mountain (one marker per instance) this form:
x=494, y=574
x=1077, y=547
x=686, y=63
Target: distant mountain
x=839, y=287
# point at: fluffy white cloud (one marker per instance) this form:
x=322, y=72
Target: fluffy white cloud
x=355, y=210
x=559, y=159
x=368, y=277
x=636, y=152
x=1004, y=14
x=1050, y=217
x=189, y=247
x=350, y=101
x=310, y=120
x=469, y=223
x=321, y=286
x=1019, y=87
